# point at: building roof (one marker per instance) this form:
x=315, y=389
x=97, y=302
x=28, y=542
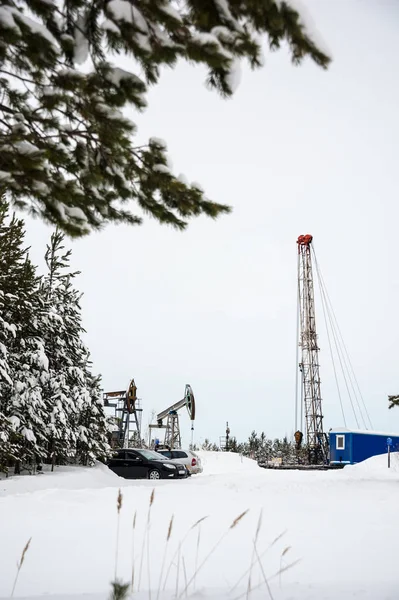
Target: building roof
x=363, y=431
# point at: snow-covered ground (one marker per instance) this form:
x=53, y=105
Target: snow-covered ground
x=342, y=527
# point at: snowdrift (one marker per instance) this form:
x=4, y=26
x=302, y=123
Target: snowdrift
x=70, y=478
x=375, y=467
x=217, y=463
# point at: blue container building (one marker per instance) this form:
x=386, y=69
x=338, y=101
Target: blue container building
x=350, y=446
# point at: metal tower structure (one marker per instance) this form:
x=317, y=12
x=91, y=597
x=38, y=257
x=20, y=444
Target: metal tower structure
x=309, y=366
x=172, y=427
x=127, y=415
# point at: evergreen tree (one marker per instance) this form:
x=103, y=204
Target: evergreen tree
x=6, y=430
x=233, y=446
x=207, y=445
x=62, y=337
x=67, y=152
x=22, y=401
x=94, y=427
x=78, y=427
x=253, y=443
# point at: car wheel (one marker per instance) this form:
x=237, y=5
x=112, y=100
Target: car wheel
x=154, y=474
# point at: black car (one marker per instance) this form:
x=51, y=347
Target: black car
x=144, y=464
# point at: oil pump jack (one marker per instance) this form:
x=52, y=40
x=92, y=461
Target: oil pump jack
x=311, y=402
x=127, y=414
x=172, y=427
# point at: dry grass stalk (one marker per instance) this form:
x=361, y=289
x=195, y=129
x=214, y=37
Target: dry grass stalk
x=286, y=568
x=178, y=572
x=133, y=557
x=148, y=543
x=184, y=573
x=146, y=539
x=19, y=565
x=258, y=527
x=238, y=519
x=263, y=573
x=197, y=551
x=232, y=526
x=196, y=524
x=284, y=552
x=261, y=556
x=119, y=502
x=170, y=528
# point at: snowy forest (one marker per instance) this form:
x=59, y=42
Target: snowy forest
x=50, y=402
x=262, y=448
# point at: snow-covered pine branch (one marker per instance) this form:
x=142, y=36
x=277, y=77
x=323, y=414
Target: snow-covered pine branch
x=67, y=151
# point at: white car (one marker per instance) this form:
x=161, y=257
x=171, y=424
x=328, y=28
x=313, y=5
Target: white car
x=185, y=457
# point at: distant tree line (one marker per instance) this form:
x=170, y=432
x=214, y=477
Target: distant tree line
x=51, y=408
x=261, y=448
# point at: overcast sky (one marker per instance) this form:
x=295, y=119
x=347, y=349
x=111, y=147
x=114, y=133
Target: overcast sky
x=297, y=150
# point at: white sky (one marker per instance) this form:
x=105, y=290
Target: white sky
x=297, y=150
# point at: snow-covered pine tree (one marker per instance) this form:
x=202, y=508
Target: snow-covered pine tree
x=68, y=153
x=22, y=404
x=206, y=445
x=7, y=449
x=94, y=427
x=6, y=332
x=77, y=426
x=61, y=337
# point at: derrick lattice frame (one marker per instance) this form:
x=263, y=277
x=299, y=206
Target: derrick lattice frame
x=309, y=365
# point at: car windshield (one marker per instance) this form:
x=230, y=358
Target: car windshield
x=150, y=455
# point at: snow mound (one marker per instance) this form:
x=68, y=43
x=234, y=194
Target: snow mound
x=375, y=467
x=216, y=463
x=69, y=478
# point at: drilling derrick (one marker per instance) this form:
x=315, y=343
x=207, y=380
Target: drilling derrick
x=309, y=365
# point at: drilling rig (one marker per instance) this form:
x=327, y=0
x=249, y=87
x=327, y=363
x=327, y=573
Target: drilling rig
x=127, y=415
x=311, y=402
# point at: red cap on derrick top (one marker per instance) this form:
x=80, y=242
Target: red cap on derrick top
x=305, y=240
